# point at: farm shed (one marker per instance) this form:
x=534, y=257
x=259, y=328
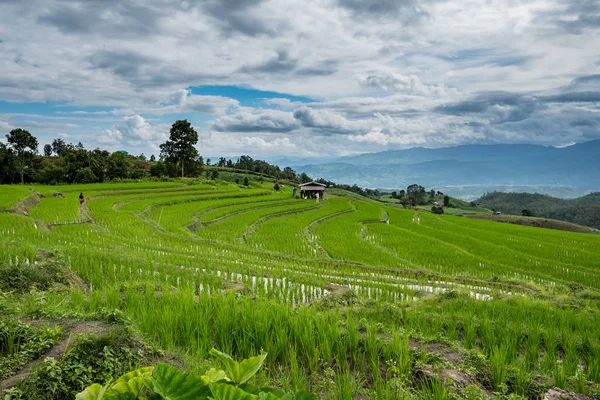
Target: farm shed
x=310, y=190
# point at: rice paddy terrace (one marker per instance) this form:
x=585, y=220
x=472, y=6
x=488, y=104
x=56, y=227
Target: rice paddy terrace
x=350, y=298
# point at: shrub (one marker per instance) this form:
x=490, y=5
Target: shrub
x=85, y=175
x=437, y=210
x=23, y=276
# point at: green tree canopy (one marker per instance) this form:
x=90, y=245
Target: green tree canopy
x=58, y=146
x=24, y=144
x=416, y=194
x=180, y=146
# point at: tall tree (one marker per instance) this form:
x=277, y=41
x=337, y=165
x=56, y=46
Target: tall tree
x=58, y=146
x=47, y=150
x=24, y=144
x=180, y=146
x=416, y=194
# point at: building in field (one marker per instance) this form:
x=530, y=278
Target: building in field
x=312, y=190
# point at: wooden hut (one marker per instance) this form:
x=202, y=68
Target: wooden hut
x=310, y=190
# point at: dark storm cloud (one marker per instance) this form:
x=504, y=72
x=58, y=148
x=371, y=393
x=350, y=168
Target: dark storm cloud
x=109, y=17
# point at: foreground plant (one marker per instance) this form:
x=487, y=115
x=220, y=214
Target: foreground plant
x=167, y=382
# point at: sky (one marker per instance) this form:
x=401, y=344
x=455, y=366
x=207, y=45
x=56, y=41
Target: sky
x=301, y=78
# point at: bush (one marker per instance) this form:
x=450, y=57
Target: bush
x=276, y=187
x=437, y=210
x=246, y=182
x=92, y=359
x=23, y=276
x=85, y=175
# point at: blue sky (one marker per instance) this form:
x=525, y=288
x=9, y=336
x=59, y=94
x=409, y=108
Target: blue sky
x=275, y=78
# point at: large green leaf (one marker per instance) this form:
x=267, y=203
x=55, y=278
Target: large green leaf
x=137, y=373
x=214, y=375
x=134, y=385
x=224, y=391
x=172, y=384
x=133, y=382
x=242, y=371
x=92, y=392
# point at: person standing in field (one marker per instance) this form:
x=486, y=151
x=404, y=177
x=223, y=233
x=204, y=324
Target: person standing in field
x=81, y=199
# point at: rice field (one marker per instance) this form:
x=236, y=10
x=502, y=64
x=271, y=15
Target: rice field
x=350, y=298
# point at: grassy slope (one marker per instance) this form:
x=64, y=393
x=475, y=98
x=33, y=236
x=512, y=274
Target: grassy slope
x=582, y=211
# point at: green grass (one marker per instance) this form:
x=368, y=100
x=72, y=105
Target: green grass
x=349, y=297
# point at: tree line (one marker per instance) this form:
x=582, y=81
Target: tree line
x=583, y=210
x=61, y=162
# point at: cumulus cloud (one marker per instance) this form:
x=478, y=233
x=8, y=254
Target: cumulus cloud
x=182, y=100
x=136, y=131
x=384, y=73
x=262, y=121
x=324, y=119
x=406, y=84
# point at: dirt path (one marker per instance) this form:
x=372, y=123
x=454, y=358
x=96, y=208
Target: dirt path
x=57, y=351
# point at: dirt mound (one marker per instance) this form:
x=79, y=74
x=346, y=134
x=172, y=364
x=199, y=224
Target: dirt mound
x=559, y=394
x=460, y=380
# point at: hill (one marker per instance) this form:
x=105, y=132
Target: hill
x=584, y=210
x=471, y=170
x=347, y=297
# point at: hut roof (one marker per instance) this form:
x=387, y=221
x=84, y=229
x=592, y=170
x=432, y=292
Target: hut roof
x=312, y=184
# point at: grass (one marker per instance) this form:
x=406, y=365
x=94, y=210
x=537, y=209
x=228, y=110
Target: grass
x=349, y=297
x=537, y=222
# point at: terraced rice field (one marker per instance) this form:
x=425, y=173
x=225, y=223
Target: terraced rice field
x=348, y=296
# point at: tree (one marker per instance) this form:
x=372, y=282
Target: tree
x=276, y=187
x=416, y=194
x=58, y=146
x=180, y=146
x=304, y=178
x=405, y=201
x=47, y=150
x=152, y=158
x=446, y=201
x=432, y=193
x=24, y=144
x=8, y=164
x=246, y=183
x=526, y=213
x=86, y=175
x=214, y=175
x=80, y=146
x=437, y=210
x=208, y=161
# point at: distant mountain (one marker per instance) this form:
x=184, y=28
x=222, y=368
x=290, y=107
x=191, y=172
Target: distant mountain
x=472, y=169
x=582, y=211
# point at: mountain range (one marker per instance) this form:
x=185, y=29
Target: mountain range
x=469, y=171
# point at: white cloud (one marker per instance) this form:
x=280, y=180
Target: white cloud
x=136, y=132
x=260, y=121
x=378, y=71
